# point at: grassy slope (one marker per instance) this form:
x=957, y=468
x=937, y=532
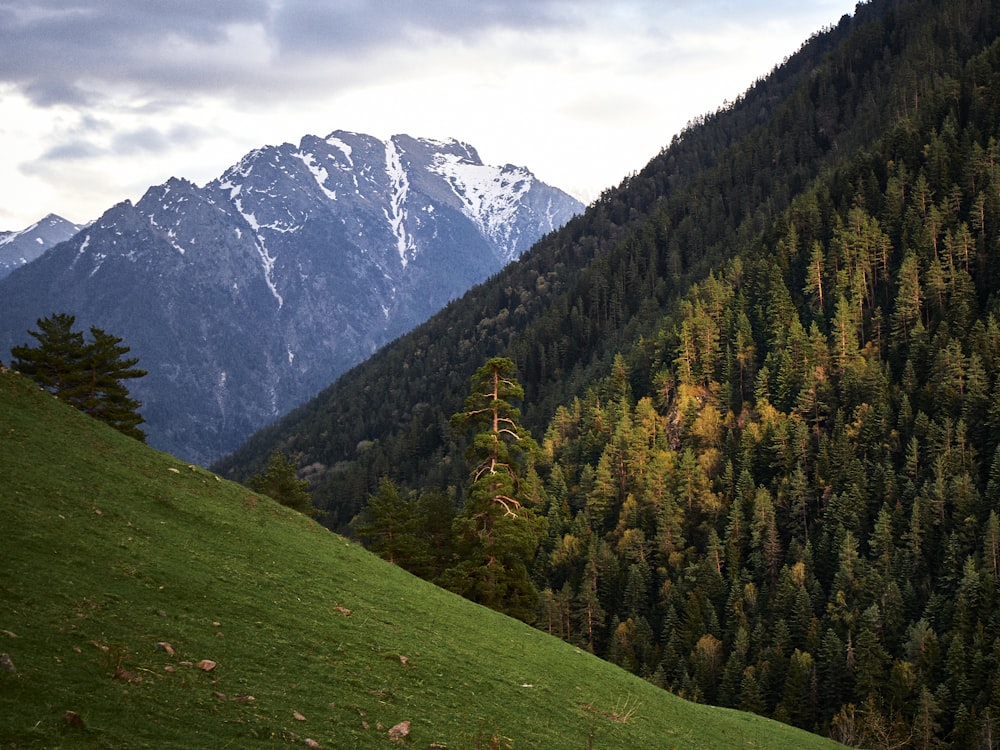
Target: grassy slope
x=109, y=547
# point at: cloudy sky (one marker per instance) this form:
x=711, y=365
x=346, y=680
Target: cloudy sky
x=100, y=99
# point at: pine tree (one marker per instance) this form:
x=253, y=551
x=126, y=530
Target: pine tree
x=387, y=524
x=589, y=614
x=280, y=482
x=87, y=375
x=501, y=450
x=907, y=311
x=496, y=534
x=57, y=362
x=799, y=697
x=105, y=395
x=814, y=278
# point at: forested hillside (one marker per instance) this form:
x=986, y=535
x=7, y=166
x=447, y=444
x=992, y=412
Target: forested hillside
x=764, y=375
x=148, y=605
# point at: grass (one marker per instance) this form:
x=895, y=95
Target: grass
x=122, y=569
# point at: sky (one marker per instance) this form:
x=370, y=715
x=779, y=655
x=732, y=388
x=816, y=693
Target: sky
x=101, y=99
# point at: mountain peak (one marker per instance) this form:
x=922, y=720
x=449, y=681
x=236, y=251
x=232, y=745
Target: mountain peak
x=21, y=247
x=246, y=296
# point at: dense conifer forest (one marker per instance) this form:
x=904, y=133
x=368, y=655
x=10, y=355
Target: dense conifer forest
x=763, y=375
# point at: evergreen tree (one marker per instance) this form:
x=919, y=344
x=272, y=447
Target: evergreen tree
x=280, y=482
x=57, y=362
x=501, y=450
x=105, y=395
x=87, y=375
x=799, y=698
x=409, y=531
x=387, y=525
x=496, y=534
x=907, y=311
x=589, y=614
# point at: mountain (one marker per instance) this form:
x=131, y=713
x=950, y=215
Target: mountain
x=149, y=605
x=19, y=248
x=764, y=375
x=244, y=297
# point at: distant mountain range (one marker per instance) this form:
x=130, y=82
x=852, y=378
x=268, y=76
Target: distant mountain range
x=19, y=248
x=244, y=297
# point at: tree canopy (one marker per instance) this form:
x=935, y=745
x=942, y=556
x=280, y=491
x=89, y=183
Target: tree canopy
x=280, y=482
x=87, y=374
x=501, y=450
x=496, y=533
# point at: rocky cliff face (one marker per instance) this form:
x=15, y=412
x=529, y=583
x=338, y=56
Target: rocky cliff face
x=244, y=297
x=22, y=247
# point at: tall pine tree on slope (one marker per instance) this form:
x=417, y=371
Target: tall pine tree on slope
x=87, y=375
x=497, y=533
x=55, y=364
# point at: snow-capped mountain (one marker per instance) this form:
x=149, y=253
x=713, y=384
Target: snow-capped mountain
x=19, y=248
x=246, y=296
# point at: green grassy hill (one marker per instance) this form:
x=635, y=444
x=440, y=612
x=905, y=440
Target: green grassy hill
x=122, y=570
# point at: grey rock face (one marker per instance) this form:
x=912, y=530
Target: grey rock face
x=20, y=248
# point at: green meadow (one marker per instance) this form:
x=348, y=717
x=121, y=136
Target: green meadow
x=144, y=603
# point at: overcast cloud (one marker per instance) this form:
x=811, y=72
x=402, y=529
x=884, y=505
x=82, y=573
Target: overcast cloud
x=99, y=99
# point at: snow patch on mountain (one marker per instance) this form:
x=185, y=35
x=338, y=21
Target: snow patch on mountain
x=319, y=172
x=99, y=259
x=80, y=251
x=172, y=236
x=491, y=196
x=344, y=148
x=171, y=233
x=267, y=262
x=399, y=184
x=266, y=259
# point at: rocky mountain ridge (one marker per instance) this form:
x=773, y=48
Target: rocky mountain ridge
x=244, y=297
x=21, y=247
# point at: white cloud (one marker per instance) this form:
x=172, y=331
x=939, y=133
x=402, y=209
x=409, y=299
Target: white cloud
x=100, y=99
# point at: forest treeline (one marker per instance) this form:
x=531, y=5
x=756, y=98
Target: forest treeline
x=764, y=378
x=798, y=514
